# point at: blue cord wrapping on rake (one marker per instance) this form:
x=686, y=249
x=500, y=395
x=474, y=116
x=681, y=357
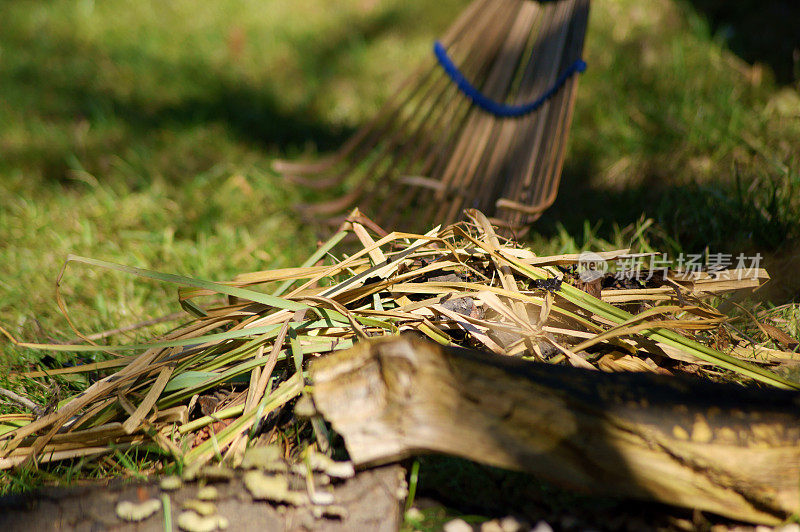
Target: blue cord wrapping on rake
x=496, y=108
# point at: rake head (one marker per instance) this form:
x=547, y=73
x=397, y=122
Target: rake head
x=437, y=148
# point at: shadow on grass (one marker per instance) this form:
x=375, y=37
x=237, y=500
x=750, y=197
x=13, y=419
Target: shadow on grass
x=255, y=113
x=763, y=31
x=489, y=492
x=117, y=120
x=748, y=215
x=127, y=98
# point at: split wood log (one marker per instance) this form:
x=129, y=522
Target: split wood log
x=726, y=449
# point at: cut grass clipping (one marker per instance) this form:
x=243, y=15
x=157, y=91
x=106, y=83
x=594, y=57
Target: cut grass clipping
x=457, y=285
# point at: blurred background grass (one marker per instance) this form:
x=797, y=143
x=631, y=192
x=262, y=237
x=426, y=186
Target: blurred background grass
x=142, y=133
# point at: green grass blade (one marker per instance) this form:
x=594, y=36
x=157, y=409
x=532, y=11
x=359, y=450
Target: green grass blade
x=671, y=338
x=243, y=293
x=315, y=257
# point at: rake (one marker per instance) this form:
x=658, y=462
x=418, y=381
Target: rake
x=481, y=124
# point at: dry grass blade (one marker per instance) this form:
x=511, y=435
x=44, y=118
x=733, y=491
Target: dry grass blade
x=456, y=285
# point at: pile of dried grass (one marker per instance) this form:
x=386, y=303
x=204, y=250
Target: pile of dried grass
x=458, y=285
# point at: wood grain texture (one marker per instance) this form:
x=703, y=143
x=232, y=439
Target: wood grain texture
x=721, y=448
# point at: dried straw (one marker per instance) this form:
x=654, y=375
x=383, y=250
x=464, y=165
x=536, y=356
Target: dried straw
x=457, y=285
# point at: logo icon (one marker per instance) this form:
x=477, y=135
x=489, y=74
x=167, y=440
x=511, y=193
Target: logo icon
x=591, y=266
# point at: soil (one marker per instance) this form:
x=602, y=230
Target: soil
x=371, y=500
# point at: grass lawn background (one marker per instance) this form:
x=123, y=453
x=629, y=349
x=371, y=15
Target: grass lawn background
x=142, y=133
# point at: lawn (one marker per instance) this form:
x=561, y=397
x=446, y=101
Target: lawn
x=142, y=133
